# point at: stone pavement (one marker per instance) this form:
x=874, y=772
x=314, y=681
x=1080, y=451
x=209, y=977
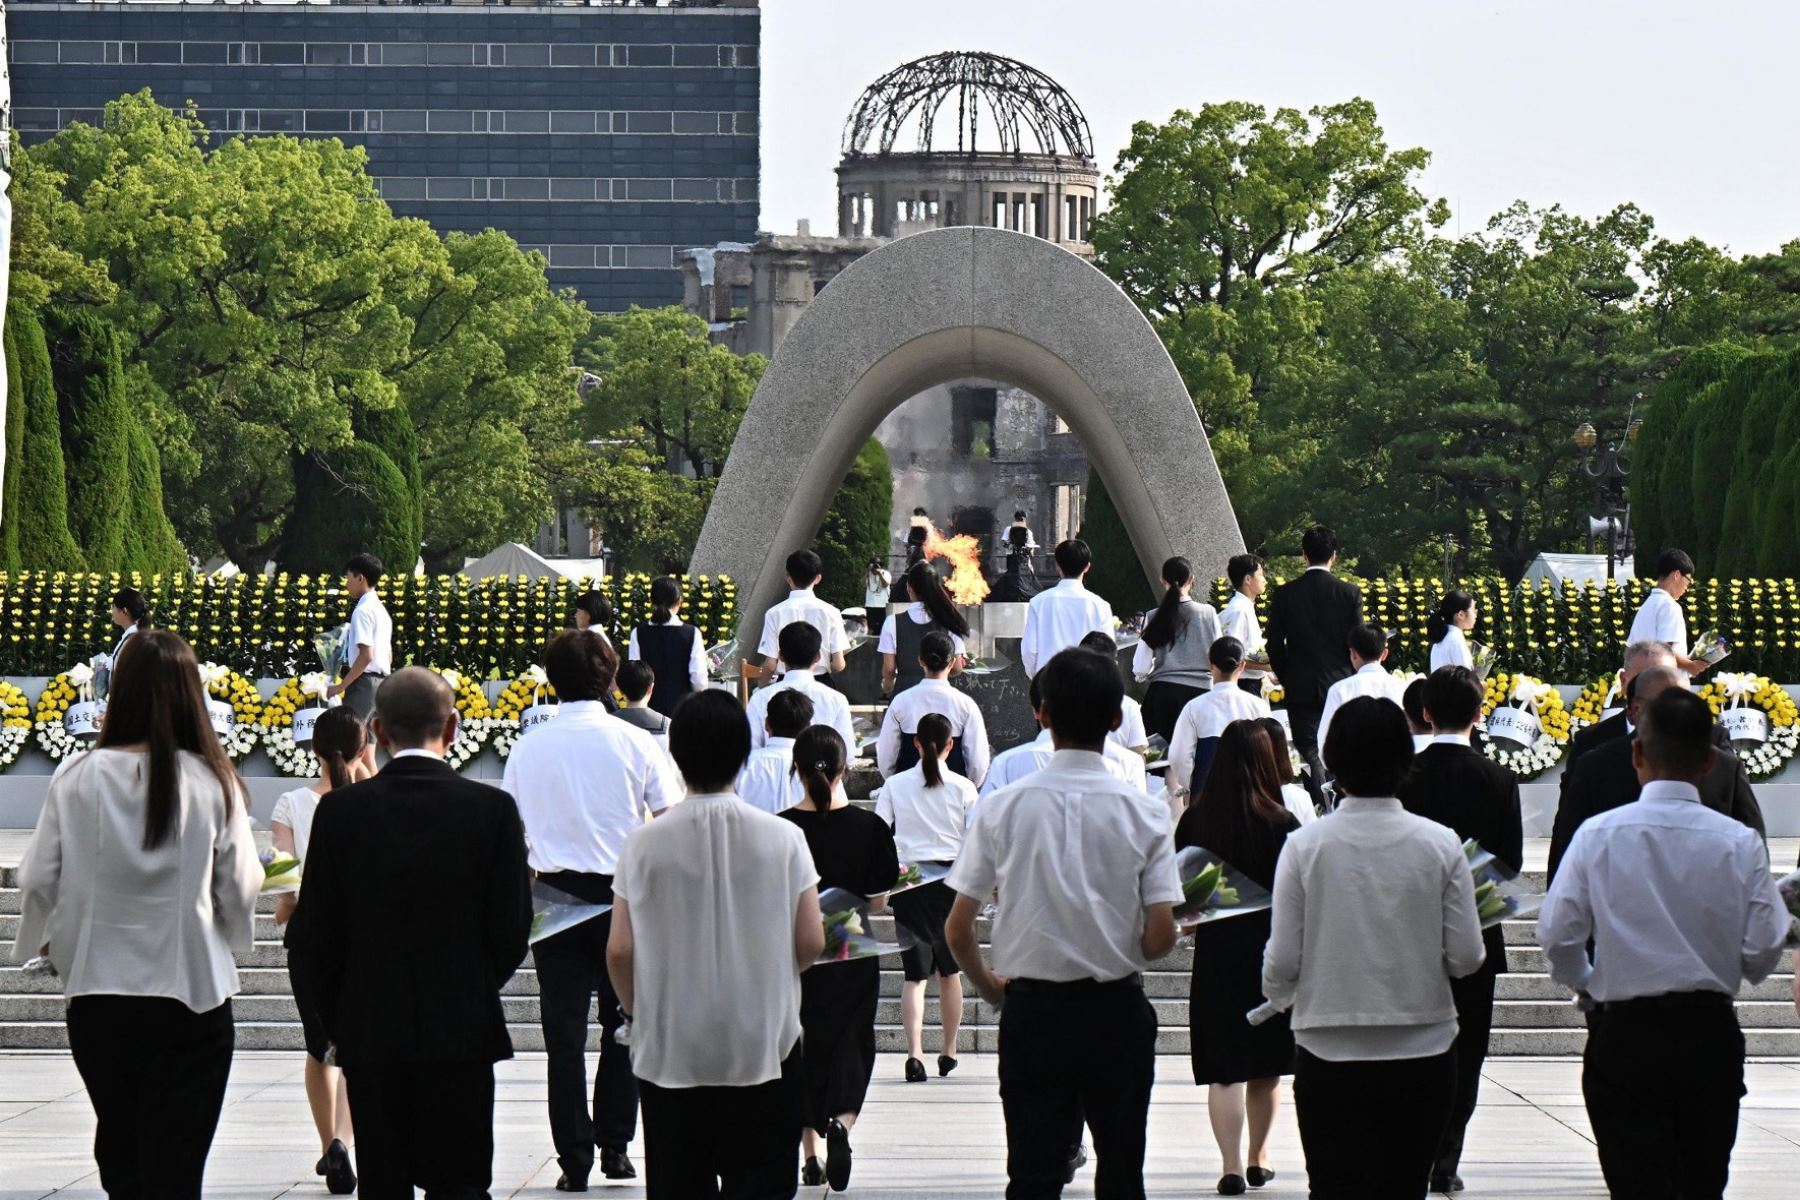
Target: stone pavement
x=943, y=1138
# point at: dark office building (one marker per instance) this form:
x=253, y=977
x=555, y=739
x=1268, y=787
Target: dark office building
x=606, y=136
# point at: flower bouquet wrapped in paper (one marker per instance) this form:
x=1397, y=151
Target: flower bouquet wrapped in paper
x=850, y=931
x=1213, y=889
x=1483, y=658
x=281, y=872
x=330, y=649
x=1710, y=648
x=554, y=911
x=1499, y=896
x=913, y=875
x=1790, y=896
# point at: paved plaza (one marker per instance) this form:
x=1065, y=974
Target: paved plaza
x=942, y=1138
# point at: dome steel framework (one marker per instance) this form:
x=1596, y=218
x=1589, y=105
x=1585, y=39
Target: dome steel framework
x=987, y=95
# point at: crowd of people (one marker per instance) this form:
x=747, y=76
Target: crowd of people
x=704, y=833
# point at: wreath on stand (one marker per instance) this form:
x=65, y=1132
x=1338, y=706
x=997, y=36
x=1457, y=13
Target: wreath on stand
x=1596, y=698
x=1761, y=718
x=1527, y=724
x=74, y=686
x=294, y=695
x=15, y=723
x=518, y=697
x=474, y=720
x=226, y=686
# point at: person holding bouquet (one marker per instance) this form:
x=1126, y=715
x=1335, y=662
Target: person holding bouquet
x=346, y=755
x=1448, y=631
x=1660, y=619
x=852, y=849
x=1238, y=618
x=370, y=644
x=673, y=649
x=1085, y=906
x=928, y=809
x=142, y=879
x=1172, y=652
x=1374, y=915
x=930, y=610
x=897, y=749
x=1012, y=765
x=1204, y=719
x=1239, y=816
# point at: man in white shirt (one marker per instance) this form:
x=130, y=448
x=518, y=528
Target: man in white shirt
x=1681, y=910
x=1060, y=617
x=768, y=781
x=1204, y=718
x=1368, y=654
x=1085, y=906
x=1010, y=766
x=799, y=647
x=370, y=648
x=717, y=1052
x=1659, y=618
x=583, y=782
x=804, y=571
x=1238, y=618
x=1131, y=733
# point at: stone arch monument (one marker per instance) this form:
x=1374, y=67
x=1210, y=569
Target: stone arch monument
x=951, y=304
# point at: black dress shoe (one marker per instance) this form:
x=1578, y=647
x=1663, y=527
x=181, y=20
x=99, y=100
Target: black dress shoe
x=1257, y=1176
x=614, y=1164
x=915, y=1071
x=837, y=1155
x=1077, y=1160
x=567, y=1182
x=1447, y=1182
x=340, y=1176
x=1231, y=1185
x=812, y=1174
x=946, y=1064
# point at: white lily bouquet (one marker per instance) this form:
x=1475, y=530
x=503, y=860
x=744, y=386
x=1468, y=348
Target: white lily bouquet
x=1499, y=896
x=330, y=649
x=1483, y=657
x=281, y=872
x=1710, y=648
x=1212, y=889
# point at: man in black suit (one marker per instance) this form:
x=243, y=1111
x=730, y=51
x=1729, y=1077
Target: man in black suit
x=1605, y=778
x=1310, y=619
x=1456, y=785
x=1639, y=657
x=415, y=912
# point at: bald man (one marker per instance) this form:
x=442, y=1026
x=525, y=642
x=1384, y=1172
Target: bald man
x=1606, y=779
x=415, y=913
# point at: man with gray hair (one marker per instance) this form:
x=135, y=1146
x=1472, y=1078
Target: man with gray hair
x=1605, y=778
x=1639, y=656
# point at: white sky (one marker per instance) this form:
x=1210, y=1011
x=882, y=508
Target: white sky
x=1687, y=107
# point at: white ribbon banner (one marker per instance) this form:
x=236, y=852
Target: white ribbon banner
x=1515, y=725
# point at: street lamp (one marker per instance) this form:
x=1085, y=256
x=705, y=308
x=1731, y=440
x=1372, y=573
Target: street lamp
x=1609, y=467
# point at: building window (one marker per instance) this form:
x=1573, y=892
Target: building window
x=972, y=412
x=1057, y=424
x=1070, y=508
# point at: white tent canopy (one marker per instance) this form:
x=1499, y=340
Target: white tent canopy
x=1578, y=568
x=510, y=559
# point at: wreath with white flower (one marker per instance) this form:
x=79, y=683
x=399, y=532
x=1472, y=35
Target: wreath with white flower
x=277, y=729
x=474, y=720
x=228, y=687
x=1760, y=694
x=53, y=736
x=1590, y=707
x=1540, y=700
x=15, y=723
x=528, y=690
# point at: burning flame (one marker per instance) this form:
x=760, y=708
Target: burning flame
x=966, y=584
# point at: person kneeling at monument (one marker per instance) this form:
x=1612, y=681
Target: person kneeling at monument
x=1085, y=905
x=717, y=1055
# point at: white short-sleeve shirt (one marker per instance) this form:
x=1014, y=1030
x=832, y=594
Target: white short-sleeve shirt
x=1238, y=619
x=371, y=626
x=829, y=708
x=768, y=780
x=1452, y=651
x=967, y=725
x=1059, y=618
x=295, y=809
x=1010, y=766
x=803, y=605
x=1660, y=619
x=928, y=822
x=889, y=641
x=1077, y=856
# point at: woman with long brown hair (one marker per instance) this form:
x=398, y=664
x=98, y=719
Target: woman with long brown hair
x=346, y=755
x=1240, y=817
x=142, y=878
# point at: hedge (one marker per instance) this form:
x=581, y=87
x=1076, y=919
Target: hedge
x=855, y=528
x=96, y=432
x=1577, y=633
x=347, y=501
x=262, y=625
x=37, y=509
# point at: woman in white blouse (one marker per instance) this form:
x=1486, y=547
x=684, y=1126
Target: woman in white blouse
x=928, y=809
x=142, y=878
x=346, y=755
x=895, y=747
x=1448, y=629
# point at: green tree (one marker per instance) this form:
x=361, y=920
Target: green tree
x=1116, y=574
x=652, y=519
x=34, y=529
x=96, y=439
x=1661, y=485
x=855, y=528
x=391, y=431
x=353, y=500
x=151, y=544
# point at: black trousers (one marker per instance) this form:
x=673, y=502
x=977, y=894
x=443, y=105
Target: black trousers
x=155, y=1072
x=1474, y=995
x=571, y=970
x=423, y=1125
x=1305, y=724
x=1069, y=1052
x=1369, y=1128
x=1662, y=1089
x=736, y=1143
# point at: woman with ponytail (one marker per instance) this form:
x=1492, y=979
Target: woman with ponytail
x=346, y=755
x=131, y=613
x=852, y=849
x=1172, y=653
x=931, y=609
x=674, y=651
x=896, y=747
x=1448, y=629
x=928, y=808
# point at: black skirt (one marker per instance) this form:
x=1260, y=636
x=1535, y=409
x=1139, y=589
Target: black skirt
x=837, y=1037
x=1227, y=983
x=921, y=912
x=1163, y=703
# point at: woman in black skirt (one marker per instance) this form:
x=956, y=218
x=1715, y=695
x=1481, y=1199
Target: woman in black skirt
x=1240, y=817
x=852, y=849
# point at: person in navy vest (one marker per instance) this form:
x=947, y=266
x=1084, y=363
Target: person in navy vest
x=670, y=648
